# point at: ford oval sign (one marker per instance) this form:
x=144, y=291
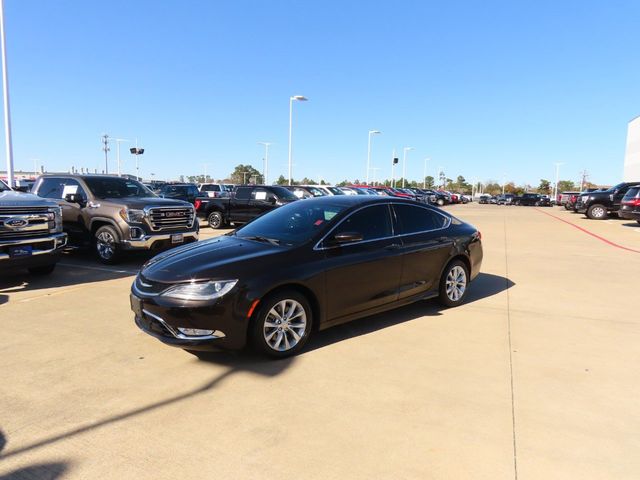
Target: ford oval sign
x=16, y=223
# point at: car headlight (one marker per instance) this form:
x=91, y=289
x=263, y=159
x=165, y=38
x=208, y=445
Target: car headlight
x=55, y=219
x=200, y=290
x=132, y=216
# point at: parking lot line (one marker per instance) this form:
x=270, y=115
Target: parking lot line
x=101, y=269
x=602, y=239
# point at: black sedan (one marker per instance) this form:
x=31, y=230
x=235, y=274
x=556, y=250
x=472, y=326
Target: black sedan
x=303, y=267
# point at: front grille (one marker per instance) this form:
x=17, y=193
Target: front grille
x=148, y=287
x=171, y=218
x=16, y=222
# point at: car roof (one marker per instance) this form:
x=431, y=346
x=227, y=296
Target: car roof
x=353, y=200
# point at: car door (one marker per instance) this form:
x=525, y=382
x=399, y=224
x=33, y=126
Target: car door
x=365, y=274
x=426, y=247
x=262, y=201
x=240, y=207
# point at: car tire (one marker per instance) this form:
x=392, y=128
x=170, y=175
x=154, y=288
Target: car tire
x=597, y=212
x=106, y=243
x=215, y=220
x=454, y=284
x=567, y=207
x=272, y=325
x=42, y=270
x=537, y=204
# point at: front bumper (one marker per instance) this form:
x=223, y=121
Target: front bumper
x=148, y=242
x=40, y=247
x=161, y=318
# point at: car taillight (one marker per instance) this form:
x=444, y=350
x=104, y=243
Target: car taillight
x=634, y=203
x=197, y=204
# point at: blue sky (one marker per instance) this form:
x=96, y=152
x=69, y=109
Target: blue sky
x=482, y=88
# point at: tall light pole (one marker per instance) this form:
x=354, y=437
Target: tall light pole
x=137, y=151
x=404, y=163
x=265, y=169
x=105, y=149
x=393, y=168
x=371, y=132
x=118, y=142
x=424, y=173
x=7, y=110
x=555, y=186
x=300, y=98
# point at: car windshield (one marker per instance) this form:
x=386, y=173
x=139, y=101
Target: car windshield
x=633, y=193
x=3, y=187
x=316, y=192
x=335, y=190
x=102, y=187
x=292, y=224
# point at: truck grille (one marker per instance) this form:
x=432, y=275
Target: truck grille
x=18, y=222
x=171, y=218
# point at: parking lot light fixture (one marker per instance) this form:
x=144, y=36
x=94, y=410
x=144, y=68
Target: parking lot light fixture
x=299, y=98
x=371, y=132
x=265, y=170
x=404, y=163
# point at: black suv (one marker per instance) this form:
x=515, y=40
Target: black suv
x=597, y=205
x=532, y=200
x=630, y=206
x=187, y=192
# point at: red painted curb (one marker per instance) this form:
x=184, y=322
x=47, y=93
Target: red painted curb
x=602, y=239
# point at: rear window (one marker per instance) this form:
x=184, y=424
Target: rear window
x=633, y=192
x=210, y=188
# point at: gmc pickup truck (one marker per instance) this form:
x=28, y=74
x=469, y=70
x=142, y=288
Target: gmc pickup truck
x=113, y=214
x=31, y=233
x=246, y=203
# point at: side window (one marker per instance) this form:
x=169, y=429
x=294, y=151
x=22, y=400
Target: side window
x=193, y=191
x=372, y=222
x=243, y=193
x=418, y=219
x=259, y=194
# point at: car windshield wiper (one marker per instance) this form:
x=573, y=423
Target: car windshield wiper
x=258, y=238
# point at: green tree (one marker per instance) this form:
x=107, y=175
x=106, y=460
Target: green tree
x=244, y=174
x=567, y=186
x=544, y=187
x=492, y=188
x=343, y=183
x=429, y=181
x=281, y=180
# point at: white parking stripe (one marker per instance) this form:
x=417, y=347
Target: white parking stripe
x=102, y=269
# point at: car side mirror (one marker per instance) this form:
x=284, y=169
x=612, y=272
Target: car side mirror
x=347, y=237
x=272, y=200
x=73, y=198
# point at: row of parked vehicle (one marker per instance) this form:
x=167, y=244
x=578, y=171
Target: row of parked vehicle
x=622, y=200
x=112, y=214
x=526, y=199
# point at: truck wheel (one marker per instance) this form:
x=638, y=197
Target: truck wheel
x=42, y=270
x=215, y=220
x=597, y=212
x=106, y=243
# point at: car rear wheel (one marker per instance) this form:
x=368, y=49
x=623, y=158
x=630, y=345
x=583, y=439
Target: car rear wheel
x=215, y=220
x=106, y=243
x=282, y=325
x=42, y=270
x=597, y=212
x=453, y=284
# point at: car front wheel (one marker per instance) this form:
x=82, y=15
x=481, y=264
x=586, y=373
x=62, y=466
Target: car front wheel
x=215, y=220
x=597, y=212
x=106, y=244
x=453, y=284
x=282, y=325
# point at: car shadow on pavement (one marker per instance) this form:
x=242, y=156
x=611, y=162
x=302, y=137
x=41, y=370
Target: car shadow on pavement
x=236, y=362
x=41, y=471
x=485, y=285
x=631, y=225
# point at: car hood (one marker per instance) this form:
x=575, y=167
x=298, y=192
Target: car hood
x=141, y=202
x=224, y=256
x=18, y=199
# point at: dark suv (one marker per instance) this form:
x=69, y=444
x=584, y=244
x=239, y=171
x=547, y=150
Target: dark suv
x=116, y=213
x=597, y=205
x=630, y=205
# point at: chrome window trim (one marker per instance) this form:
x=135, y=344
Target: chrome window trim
x=389, y=205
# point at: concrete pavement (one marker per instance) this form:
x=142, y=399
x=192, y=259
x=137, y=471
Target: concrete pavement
x=534, y=377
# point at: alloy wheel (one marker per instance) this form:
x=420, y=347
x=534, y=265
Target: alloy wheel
x=456, y=283
x=284, y=325
x=106, y=245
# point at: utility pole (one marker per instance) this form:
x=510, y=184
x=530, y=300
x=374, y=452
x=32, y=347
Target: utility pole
x=555, y=188
x=424, y=173
x=584, y=174
x=265, y=160
x=205, y=165
x=7, y=110
x=105, y=148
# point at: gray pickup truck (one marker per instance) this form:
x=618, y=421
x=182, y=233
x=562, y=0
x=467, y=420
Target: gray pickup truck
x=31, y=233
x=112, y=214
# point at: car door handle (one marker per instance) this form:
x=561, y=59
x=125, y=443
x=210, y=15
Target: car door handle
x=393, y=246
